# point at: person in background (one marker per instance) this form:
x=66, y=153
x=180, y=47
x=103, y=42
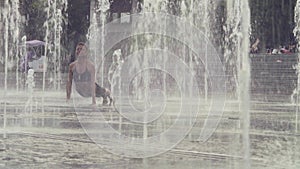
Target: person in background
x=24, y=66
x=285, y=50
x=254, y=47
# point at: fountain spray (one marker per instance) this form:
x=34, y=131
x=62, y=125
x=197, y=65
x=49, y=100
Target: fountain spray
x=6, y=12
x=297, y=35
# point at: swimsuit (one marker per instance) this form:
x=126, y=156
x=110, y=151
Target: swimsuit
x=86, y=77
x=81, y=77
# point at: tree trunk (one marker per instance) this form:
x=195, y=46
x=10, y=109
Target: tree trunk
x=273, y=24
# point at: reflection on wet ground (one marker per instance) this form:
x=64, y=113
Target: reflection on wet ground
x=51, y=136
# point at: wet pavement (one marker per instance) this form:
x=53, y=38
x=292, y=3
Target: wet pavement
x=49, y=135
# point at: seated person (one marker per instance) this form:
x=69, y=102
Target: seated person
x=285, y=50
x=82, y=71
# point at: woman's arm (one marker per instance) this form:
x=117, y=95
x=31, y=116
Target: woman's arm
x=93, y=86
x=69, y=81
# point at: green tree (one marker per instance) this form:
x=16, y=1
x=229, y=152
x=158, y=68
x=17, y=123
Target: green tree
x=78, y=22
x=272, y=21
x=35, y=15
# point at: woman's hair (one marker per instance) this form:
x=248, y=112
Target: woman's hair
x=81, y=44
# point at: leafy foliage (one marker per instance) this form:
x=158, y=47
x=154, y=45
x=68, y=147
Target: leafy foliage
x=35, y=18
x=272, y=21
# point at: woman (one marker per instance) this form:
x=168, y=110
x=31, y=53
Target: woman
x=82, y=71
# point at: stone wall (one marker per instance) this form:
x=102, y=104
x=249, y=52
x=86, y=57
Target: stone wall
x=273, y=74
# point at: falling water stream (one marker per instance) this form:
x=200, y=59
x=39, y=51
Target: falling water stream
x=238, y=15
x=12, y=26
x=297, y=35
x=238, y=26
x=6, y=11
x=53, y=25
